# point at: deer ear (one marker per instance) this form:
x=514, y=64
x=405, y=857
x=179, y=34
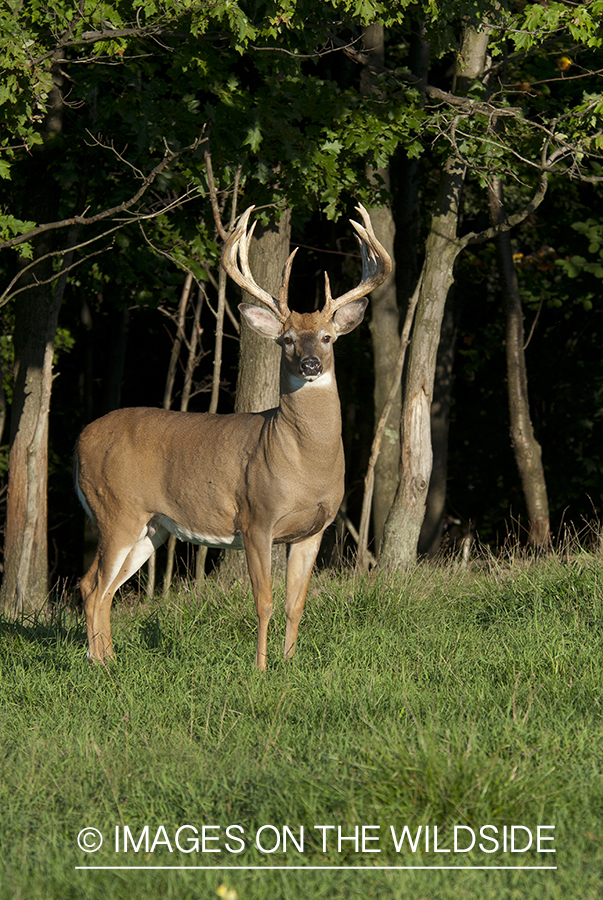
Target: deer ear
x=261, y=320
x=347, y=317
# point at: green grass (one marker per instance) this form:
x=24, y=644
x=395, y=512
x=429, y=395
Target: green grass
x=435, y=698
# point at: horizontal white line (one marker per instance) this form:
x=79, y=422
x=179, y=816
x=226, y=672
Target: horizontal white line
x=317, y=868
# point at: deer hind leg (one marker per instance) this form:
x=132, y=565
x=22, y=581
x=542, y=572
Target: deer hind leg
x=112, y=567
x=96, y=597
x=300, y=564
x=258, y=552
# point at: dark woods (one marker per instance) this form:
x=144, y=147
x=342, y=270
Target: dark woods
x=110, y=139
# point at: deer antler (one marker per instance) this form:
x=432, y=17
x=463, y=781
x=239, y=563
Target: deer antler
x=235, y=260
x=376, y=266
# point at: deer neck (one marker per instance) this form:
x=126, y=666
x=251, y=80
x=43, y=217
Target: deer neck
x=311, y=410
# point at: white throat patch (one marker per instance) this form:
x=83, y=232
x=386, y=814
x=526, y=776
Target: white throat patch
x=294, y=383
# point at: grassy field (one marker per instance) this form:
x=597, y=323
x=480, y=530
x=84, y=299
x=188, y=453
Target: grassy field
x=434, y=699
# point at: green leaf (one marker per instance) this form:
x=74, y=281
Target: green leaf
x=253, y=139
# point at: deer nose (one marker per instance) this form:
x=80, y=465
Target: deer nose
x=310, y=366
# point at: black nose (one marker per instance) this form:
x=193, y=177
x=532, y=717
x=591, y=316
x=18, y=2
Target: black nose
x=311, y=366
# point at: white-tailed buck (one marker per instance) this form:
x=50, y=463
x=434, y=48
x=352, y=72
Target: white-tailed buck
x=248, y=480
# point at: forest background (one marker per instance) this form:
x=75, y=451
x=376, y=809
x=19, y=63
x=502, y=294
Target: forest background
x=134, y=132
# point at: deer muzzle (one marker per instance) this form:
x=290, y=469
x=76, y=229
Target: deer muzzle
x=311, y=366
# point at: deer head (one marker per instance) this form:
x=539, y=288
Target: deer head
x=306, y=338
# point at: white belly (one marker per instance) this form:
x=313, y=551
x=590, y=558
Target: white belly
x=232, y=542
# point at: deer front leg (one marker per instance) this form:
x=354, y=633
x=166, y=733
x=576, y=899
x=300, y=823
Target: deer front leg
x=302, y=557
x=258, y=551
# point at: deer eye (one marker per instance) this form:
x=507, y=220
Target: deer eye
x=326, y=339
x=288, y=341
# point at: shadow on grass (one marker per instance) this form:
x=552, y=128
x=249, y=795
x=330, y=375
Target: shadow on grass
x=151, y=634
x=49, y=628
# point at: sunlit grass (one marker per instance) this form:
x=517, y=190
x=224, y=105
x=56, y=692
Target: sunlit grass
x=436, y=698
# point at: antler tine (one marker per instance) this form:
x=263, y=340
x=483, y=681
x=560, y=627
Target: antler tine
x=376, y=265
x=235, y=261
x=283, y=293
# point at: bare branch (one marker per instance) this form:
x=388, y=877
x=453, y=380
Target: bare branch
x=565, y=78
x=345, y=520
x=511, y=221
x=4, y=299
x=177, y=344
x=235, y=196
x=7, y=295
x=213, y=196
x=66, y=36
x=534, y=323
x=465, y=104
x=169, y=157
x=65, y=41
x=229, y=312
x=97, y=141
x=222, y=278
x=548, y=164
x=318, y=54
x=177, y=262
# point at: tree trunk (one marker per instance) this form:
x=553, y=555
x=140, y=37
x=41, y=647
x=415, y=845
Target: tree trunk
x=435, y=503
x=26, y=566
x=168, y=395
x=527, y=450
x=25, y=586
x=260, y=360
x=384, y=324
x=405, y=519
x=258, y=381
x=404, y=522
x=408, y=216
